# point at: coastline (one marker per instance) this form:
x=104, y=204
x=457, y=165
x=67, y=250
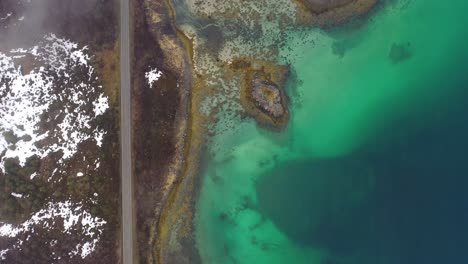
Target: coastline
x=173, y=238
x=175, y=224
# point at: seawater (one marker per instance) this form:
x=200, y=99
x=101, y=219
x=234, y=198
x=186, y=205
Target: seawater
x=373, y=167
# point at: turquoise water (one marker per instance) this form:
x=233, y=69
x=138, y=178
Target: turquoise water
x=372, y=167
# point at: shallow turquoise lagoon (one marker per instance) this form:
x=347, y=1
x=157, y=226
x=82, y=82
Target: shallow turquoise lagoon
x=373, y=166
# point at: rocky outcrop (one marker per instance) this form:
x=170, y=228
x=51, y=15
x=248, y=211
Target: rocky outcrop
x=267, y=97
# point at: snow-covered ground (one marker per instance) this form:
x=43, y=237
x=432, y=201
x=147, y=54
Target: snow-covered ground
x=50, y=98
x=26, y=96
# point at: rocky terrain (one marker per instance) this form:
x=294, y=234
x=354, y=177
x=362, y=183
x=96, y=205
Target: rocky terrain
x=267, y=97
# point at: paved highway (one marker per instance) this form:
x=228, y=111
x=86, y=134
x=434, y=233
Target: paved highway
x=127, y=223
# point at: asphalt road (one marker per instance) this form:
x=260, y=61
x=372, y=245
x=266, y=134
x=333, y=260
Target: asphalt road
x=126, y=136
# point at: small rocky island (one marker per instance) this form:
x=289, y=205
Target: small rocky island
x=262, y=94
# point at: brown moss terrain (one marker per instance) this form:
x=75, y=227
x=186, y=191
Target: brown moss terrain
x=107, y=61
x=160, y=119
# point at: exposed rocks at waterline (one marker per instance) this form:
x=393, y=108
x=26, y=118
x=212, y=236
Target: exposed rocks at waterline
x=320, y=6
x=325, y=13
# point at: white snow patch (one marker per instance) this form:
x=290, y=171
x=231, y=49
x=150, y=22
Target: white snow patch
x=152, y=76
x=6, y=17
x=17, y=195
x=87, y=248
x=79, y=174
x=34, y=175
x=101, y=105
x=7, y=230
x=3, y=253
